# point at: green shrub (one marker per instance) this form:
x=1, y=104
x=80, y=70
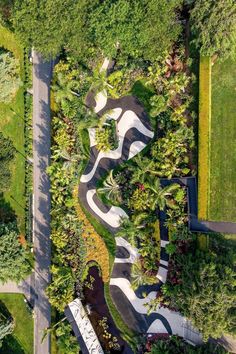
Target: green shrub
x=6, y=156
x=106, y=137
x=9, y=76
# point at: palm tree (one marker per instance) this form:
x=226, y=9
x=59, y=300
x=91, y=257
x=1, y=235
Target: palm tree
x=143, y=166
x=111, y=189
x=71, y=159
x=63, y=89
x=159, y=196
x=99, y=80
x=140, y=276
x=129, y=231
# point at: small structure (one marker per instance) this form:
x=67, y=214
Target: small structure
x=83, y=328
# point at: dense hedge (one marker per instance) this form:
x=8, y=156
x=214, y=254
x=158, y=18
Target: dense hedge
x=204, y=136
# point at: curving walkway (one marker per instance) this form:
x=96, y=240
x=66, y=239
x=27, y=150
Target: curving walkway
x=134, y=133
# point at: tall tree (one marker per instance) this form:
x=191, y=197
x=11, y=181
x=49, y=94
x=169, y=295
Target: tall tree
x=133, y=28
x=45, y=24
x=14, y=263
x=214, y=25
x=160, y=27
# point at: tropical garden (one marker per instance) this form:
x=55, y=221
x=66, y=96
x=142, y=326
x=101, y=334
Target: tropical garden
x=155, y=48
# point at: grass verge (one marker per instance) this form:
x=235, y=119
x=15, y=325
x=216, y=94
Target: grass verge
x=204, y=136
x=222, y=186
x=21, y=340
x=12, y=126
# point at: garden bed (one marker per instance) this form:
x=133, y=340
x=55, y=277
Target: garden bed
x=94, y=298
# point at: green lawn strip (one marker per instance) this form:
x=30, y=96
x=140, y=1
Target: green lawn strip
x=12, y=126
x=127, y=334
x=222, y=205
x=204, y=136
x=22, y=337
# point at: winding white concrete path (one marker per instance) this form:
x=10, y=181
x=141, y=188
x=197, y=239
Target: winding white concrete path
x=134, y=255
x=128, y=120
x=112, y=217
x=175, y=320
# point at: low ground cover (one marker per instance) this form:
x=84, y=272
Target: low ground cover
x=21, y=340
x=176, y=345
x=223, y=143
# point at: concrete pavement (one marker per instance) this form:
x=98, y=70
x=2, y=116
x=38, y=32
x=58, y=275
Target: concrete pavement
x=41, y=205
x=25, y=287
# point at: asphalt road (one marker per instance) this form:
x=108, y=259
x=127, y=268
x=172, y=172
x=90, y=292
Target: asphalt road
x=41, y=202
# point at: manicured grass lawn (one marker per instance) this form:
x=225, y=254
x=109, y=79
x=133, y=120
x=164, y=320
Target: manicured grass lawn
x=12, y=126
x=222, y=206
x=21, y=341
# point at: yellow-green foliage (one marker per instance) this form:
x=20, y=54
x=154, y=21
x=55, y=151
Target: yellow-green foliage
x=203, y=241
x=204, y=136
x=95, y=246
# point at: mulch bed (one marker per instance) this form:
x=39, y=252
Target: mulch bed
x=95, y=300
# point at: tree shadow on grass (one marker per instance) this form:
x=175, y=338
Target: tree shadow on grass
x=10, y=345
x=7, y=214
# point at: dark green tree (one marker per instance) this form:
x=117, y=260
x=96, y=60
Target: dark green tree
x=45, y=24
x=160, y=27
x=214, y=26
x=131, y=28
x=14, y=263
x=6, y=156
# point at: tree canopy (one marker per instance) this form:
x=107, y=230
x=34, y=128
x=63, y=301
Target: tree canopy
x=6, y=155
x=14, y=263
x=5, y=11
x=9, y=75
x=214, y=26
x=134, y=28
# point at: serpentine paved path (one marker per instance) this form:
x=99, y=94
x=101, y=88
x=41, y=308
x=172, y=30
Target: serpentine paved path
x=41, y=199
x=134, y=133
